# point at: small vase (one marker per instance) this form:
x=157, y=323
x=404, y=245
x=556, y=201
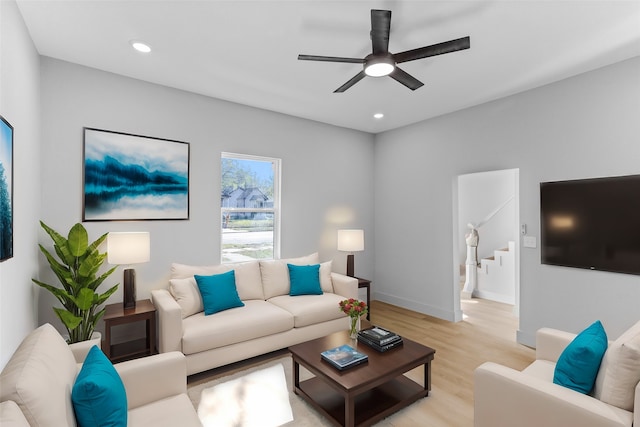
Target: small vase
x=354, y=327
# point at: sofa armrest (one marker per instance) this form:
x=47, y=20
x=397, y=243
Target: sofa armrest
x=11, y=415
x=152, y=378
x=550, y=343
x=507, y=397
x=344, y=285
x=169, y=321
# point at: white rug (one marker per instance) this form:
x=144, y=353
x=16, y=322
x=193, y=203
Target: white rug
x=257, y=399
x=302, y=414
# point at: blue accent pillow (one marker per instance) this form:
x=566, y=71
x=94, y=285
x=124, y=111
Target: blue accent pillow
x=304, y=279
x=98, y=394
x=218, y=292
x=578, y=365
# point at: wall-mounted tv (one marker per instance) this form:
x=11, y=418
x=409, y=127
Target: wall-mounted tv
x=592, y=223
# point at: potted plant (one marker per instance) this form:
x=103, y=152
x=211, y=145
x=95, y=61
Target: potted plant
x=77, y=269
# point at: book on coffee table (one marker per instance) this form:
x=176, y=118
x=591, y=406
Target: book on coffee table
x=379, y=336
x=344, y=357
x=378, y=347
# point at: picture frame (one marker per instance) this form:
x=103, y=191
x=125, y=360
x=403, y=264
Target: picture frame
x=6, y=190
x=129, y=177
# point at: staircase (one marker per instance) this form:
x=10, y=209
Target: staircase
x=496, y=276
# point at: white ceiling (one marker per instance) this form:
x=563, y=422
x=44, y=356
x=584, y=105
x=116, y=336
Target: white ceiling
x=246, y=51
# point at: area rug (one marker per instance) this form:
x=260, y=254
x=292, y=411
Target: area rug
x=303, y=414
x=267, y=386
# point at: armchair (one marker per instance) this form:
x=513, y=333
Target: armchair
x=507, y=397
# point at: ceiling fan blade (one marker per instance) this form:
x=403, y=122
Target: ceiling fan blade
x=380, y=28
x=406, y=79
x=433, y=50
x=355, y=79
x=330, y=59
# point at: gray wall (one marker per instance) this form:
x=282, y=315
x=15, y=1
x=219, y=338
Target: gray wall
x=585, y=126
x=327, y=174
x=20, y=105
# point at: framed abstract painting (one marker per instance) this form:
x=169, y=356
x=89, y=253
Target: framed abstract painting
x=132, y=177
x=6, y=189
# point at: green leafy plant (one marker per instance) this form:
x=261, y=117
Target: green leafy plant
x=77, y=269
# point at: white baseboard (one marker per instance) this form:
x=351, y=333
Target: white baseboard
x=415, y=306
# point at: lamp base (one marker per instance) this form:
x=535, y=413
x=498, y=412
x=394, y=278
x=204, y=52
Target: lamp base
x=350, y=268
x=129, y=296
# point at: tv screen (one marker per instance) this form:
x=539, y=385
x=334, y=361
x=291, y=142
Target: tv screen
x=592, y=223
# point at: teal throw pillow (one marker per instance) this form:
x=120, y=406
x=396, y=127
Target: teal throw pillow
x=98, y=395
x=578, y=364
x=304, y=279
x=218, y=292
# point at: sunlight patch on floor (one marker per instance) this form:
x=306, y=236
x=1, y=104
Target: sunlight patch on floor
x=258, y=399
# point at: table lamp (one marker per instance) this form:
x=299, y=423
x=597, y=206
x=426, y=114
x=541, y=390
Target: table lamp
x=128, y=248
x=350, y=241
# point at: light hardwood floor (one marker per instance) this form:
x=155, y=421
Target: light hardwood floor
x=488, y=333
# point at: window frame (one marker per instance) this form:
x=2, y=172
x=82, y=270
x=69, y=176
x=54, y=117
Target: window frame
x=277, y=168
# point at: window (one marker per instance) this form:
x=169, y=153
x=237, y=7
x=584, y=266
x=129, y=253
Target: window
x=250, y=207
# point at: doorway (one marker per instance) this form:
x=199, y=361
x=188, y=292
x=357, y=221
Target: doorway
x=487, y=204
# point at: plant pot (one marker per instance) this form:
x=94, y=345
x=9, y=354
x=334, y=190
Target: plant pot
x=80, y=349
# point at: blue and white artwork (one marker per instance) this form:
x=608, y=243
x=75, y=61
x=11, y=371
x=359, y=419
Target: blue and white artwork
x=6, y=190
x=132, y=177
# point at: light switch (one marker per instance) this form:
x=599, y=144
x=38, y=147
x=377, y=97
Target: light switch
x=529, y=242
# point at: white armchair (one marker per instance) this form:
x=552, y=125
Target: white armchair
x=507, y=397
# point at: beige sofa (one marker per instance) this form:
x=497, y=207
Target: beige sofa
x=36, y=384
x=506, y=397
x=270, y=319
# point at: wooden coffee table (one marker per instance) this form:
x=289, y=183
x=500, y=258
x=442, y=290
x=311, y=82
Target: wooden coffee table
x=364, y=394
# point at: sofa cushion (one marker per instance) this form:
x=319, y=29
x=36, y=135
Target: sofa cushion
x=578, y=364
x=541, y=369
x=304, y=279
x=98, y=395
x=187, y=295
x=310, y=309
x=620, y=370
x=218, y=292
x=248, y=280
x=325, y=277
x=256, y=319
x=39, y=377
x=275, y=275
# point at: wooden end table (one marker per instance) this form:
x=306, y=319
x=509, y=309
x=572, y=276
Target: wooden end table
x=366, y=283
x=116, y=314
x=367, y=393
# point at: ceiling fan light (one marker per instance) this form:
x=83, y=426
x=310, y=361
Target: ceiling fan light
x=378, y=69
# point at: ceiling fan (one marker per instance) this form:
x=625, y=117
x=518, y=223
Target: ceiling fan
x=383, y=63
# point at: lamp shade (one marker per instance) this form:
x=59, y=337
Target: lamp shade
x=351, y=240
x=128, y=247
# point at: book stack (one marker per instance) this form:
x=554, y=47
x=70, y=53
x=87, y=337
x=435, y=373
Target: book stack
x=344, y=357
x=379, y=339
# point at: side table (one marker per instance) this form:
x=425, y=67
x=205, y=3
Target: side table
x=116, y=314
x=365, y=283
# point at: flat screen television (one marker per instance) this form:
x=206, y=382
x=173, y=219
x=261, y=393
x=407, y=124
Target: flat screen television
x=592, y=223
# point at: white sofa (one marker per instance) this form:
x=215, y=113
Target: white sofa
x=507, y=397
x=271, y=319
x=36, y=385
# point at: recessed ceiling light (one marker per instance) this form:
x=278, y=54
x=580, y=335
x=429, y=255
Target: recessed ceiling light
x=140, y=46
x=378, y=115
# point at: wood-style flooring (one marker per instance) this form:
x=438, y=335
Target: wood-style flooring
x=487, y=333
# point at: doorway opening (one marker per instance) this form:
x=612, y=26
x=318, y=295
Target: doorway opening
x=487, y=241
